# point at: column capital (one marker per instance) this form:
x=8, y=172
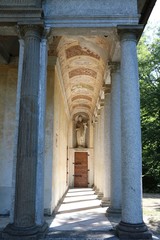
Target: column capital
x=114, y=66
x=129, y=32
x=26, y=30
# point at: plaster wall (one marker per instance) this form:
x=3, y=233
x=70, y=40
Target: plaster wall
x=57, y=124
x=56, y=139
x=8, y=85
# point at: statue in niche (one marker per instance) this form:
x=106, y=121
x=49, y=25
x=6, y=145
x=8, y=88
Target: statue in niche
x=81, y=128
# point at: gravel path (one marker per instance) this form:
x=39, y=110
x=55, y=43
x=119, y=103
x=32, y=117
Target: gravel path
x=151, y=211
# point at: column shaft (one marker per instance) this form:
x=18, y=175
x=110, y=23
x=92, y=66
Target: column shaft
x=131, y=133
x=95, y=158
x=131, y=226
x=27, y=223
x=107, y=152
x=100, y=154
x=115, y=205
x=28, y=134
x=41, y=133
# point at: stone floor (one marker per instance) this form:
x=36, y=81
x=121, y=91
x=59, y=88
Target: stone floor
x=81, y=217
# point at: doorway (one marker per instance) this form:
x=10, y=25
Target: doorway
x=81, y=170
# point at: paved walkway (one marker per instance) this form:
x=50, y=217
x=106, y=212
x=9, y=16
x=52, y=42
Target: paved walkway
x=80, y=217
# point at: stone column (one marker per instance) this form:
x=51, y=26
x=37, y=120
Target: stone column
x=24, y=224
x=95, y=158
x=131, y=226
x=41, y=132
x=115, y=204
x=107, y=152
x=100, y=159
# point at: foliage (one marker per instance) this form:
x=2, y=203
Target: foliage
x=149, y=70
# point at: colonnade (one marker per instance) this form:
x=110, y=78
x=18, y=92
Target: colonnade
x=119, y=135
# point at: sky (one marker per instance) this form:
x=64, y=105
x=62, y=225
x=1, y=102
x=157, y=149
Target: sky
x=155, y=15
x=153, y=22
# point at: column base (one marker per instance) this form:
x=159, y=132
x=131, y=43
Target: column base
x=113, y=212
x=133, y=231
x=100, y=195
x=12, y=232
x=97, y=191
x=105, y=202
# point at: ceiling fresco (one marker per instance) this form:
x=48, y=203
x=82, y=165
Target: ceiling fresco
x=83, y=62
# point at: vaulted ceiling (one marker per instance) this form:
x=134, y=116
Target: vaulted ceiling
x=83, y=62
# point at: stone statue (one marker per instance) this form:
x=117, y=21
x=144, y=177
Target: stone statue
x=81, y=128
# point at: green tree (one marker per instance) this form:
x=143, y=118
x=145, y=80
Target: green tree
x=149, y=72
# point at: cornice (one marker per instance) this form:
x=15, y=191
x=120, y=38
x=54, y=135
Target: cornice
x=17, y=3
x=90, y=21
x=130, y=32
x=20, y=14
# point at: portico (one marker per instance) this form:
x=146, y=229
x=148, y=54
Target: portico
x=75, y=119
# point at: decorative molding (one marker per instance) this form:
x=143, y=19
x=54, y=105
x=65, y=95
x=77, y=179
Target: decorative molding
x=90, y=21
x=130, y=32
x=20, y=14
